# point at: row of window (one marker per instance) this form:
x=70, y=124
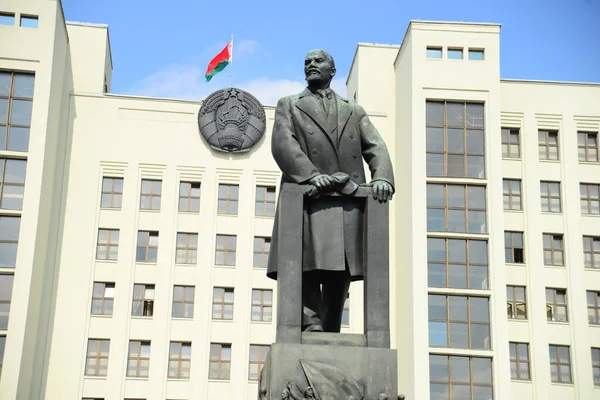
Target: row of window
x=26, y=21
x=454, y=53
x=16, y=101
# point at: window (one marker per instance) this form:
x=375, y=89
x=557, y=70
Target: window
x=593, y=306
x=514, y=251
x=258, y=357
x=262, y=246
x=459, y=321
x=150, y=195
x=6, y=286
x=455, y=139
x=553, y=249
x=460, y=378
x=591, y=251
x=511, y=189
x=456, y=208
x=516, y=305
x=183, y=301
x=16, y=100
x=457, y=263
x=595, y=365
x=434, y=52
x=112, y=193
x=265, y=201
x=346, y=312
x=548, y=145
x=108, y=244
x=587, y=144
x=29, y=21
x=262, y=305
x=590, y=198
x=455, y=53
x=12, y=183
x=225, y=251
x=96, y=361
x=103, y=297
x=189, y=197
x=147, y=246
x=187, y=248
x=560, y=364
x=550, y=192
x=180, y=360
x=222, y=303
x=519, y=361
x=138, y=361
x=228, y=199
x=220, y=361
x=2, y=347
x=143, y=300
x=9, y=240
x=510, y=143
x=7, y=19
x=476, y=54
x=556, y=305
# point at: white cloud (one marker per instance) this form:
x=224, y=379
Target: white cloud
x=245, y=46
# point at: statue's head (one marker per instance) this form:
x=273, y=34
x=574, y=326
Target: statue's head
x=309, y=392
x=319, y=68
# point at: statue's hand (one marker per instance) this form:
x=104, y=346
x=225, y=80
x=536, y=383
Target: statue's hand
x=382, y=191
x=323, y=182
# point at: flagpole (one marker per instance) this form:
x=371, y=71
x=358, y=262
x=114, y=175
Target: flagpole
x=231, y=61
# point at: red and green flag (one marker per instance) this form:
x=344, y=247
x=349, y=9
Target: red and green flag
x=219, y=63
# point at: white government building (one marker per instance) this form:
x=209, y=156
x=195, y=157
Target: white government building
x=132, y=256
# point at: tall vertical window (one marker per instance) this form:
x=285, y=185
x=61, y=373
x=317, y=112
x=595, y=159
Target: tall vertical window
x=180, y=360
x=258, y=357
x=12, y=183
x=519, y=361
x=550, y=193
x=189, y=197
x=183, y=301
x=560, y=364
x=222, y=303
x=103, y=297
x=514, y=252
x=147, y=246
x=265, y=201
x=9, y=240
x=262, y=305
x=460, y=377
x=228, y=199
x=587, y=145
x=591, y=251
x=346, y=312
x=595, y=365
x=590, y=198
x=593, y=307
x=226, y=250
x=553, y=249
x=112, y=193
x=548, y=145
x=96, y=360
x=457, y=263
x=511, y=189
x=220, y=361
x=262, y=246
x=2, y=347
x=511, y=147
x=143, y=300
x=108, y=244
x=455, y=139
x=187, y=248
x=138, y=359
x=150, y=194
x=516, y=302
x=556, y=305
x=16, y=100
x=456, y=208
x=6, y=286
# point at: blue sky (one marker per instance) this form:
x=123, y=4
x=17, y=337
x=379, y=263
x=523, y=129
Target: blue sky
x=162, y=48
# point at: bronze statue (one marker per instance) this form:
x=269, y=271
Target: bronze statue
x=320, y=139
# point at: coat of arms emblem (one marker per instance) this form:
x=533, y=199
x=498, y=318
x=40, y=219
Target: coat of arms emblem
x=231, y=120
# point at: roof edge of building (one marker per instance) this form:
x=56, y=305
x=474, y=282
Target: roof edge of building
x=365, y=44
x=549, y=82
x=425, y=21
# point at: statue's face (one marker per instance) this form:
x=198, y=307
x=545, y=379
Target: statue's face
x=318, y=68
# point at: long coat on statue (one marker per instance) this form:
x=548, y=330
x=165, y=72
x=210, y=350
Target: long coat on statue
x=307, y=142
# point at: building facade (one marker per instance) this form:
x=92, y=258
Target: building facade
x=132, y=256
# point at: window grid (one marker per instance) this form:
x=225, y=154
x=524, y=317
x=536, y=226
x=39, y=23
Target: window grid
x=556, y=305
x=590, y=198
x=186, y=248
x=516, y=304
x=96, y=362
x=511, y=147
x=459, y=208
x=262, y=305
x=6, y=288
x=138, y=360
x=222, y=303
x=150, y=194
x=147, y=246
x=553, y=249
x=460, y=377
x=9, y=240
x=12, y=183
x=220, y=361
x=112, y=193
x=514, y=252
x=519, y=361
x=103, y=296
x=593, y=306
x=180, y=360
x=189, y=197
x=228, y=199
x=587, y=145
x=262, y=247
x=16, y=100
x=560, y=364
x=548, y=145
x=225, y=252
x=511, y=189
x=258, y=357
x=265, y=201
x=108, y=244
x=591, y=251
x=596, y=365
x=143, y=300
x=550, y=193
x=183, y=301
x=457, y=263
x=2, y=347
